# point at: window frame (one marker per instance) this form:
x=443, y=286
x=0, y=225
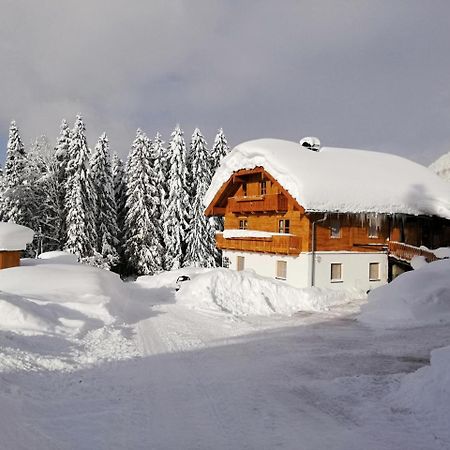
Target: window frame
x=244, y=189
x=372, y=229
x=281, y=275
x=263, y=187
x=378, y=271
x=335, y=224
x=284, y=226
x=243, y=224
x=337, y=280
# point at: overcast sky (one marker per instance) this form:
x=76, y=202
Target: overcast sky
x=363, y=74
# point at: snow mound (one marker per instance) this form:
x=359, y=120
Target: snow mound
x=59, y=257
x=58, y=298
x=245, y=293
x=169, y=278
x=14, y=237
x=426, y=392
x=356, y=180
x=416, y=298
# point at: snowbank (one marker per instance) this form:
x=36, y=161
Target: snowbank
x=169, y=278
x=416, y=298
x=243, y=293
x=339, y=179
x=14, y=237
x=58, y=298
x=59, y=257
x=427, y=392
x=442, y=166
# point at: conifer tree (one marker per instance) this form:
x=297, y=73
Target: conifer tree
x=62, y=159
x=119, y=185
x=142, y=243
x=176, y=214
x=106, y=210
x=200, y=237
x=219, y=150
x=80, y=195
x=14, y=202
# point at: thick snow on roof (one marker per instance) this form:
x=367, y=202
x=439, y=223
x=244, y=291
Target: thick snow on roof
x=442, y=166
x=339, y=179
x=14, y=237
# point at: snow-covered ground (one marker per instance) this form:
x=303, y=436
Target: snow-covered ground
x=144, y=367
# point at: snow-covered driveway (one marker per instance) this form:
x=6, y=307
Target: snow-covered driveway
x=208, y=380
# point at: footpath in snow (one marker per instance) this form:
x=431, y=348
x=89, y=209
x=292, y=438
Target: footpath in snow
x=112, y=365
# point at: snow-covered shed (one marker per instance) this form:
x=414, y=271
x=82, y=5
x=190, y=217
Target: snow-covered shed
x=13, y=239
x=325, y=216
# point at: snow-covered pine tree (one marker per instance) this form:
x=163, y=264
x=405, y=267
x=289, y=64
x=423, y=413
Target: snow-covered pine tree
x=142, y=243
x=106, y=221
x=43, y=193
x=200, y=239
x=160, y=165
x=14, y=206
x=62, y=159
x=177, y=209
x=219, y=150
x=80, y=195
x=119, y=184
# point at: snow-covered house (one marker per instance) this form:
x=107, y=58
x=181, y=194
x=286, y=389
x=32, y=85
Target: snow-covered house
x=326, y=217
x=13, y=239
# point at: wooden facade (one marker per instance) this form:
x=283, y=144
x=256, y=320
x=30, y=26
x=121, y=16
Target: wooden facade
x=9, y=259
x=254, y=200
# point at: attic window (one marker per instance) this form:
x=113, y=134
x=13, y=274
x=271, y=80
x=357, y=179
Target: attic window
x=283, y=226
x=244, y=189
x=263, y=188
x=335, y=229
x=243, y=224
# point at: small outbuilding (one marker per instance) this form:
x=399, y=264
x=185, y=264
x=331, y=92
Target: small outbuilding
x=13, y=239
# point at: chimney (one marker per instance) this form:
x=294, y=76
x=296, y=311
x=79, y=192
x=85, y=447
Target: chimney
x=311, y=142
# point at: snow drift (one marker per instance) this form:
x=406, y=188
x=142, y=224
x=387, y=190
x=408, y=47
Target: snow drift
x=416, y=298
x=243, y=293
x=40, y=297
x=427, y=392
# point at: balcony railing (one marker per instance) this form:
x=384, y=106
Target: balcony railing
x=406, y=252
x=258, y=203
x=286, y=245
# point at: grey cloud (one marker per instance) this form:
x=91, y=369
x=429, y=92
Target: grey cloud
x=371, y=74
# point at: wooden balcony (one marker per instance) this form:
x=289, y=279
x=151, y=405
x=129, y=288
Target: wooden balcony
x=286, y=245
x=406, y=252
x=258, y=203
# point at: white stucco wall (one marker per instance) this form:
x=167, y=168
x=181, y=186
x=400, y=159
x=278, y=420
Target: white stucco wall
x=355, y=268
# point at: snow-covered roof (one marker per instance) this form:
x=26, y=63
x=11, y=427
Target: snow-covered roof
x=340, y=179
x=442, y=166
x=14, y=237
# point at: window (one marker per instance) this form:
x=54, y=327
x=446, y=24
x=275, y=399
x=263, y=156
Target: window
x=262, y=188
x=244, y=189
x=243, y=224
x=336, y=272
x=373, y=228
x=240, y=263
x=281, y=270
x=374, y=271
x=283, y=226
x=335, y=229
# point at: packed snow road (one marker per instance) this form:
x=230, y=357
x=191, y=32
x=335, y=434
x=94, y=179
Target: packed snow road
x=207, y=379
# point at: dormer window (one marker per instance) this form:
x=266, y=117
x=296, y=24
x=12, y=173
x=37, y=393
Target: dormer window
x=262, y=188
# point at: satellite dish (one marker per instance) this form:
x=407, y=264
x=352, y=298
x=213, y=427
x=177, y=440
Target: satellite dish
x=311, y=142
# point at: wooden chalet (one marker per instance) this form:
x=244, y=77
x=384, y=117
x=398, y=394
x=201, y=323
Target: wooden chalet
x=269, y=229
